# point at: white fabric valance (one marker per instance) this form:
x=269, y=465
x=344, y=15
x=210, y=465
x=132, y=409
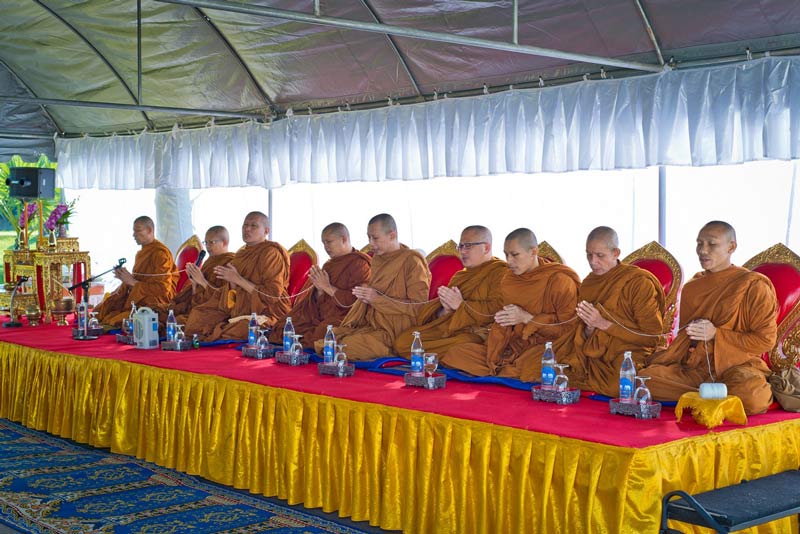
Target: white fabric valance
x=712, y=116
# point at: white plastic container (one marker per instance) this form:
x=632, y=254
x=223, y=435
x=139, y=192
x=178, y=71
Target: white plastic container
x=145, y=328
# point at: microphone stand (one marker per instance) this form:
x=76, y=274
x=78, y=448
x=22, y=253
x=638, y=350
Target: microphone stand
x=84, y=285
x=12, y=323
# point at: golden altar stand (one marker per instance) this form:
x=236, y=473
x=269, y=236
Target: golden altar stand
x=44, y=267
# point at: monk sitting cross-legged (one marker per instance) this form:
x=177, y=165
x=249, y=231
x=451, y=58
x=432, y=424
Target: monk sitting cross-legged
x=537, y=295
x=255, y=280
x=467, y=304
x=327, y=295
x=620, y=307
x=152, y=282
x=728, y=321
x=388, y=305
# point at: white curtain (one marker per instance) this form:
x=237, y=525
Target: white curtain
x=711, y=116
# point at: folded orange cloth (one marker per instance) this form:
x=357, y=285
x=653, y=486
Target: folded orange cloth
x=711, y=412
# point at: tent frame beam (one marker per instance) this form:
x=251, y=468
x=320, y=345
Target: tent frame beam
x=308, y=18
x=46, y=111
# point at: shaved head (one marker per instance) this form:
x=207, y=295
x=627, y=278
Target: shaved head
x=255, y=228
x=145, y=221
x=385, y=221
x=336, y=229
x=721, y=225
x=218, y=232
x=480, y=233
x=525, y=238
x=606, y=235
x=260, y=217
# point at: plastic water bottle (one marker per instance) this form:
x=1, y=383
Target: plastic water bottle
x=252, y=330
x=548, y=366
x=627, y=377
x=288, y=335
x=329, y=348
x=416, y=355
x=83, y=314
x=171, y=328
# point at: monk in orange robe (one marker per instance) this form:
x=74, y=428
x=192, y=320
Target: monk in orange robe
x=327, y=295
x=388, y=305
x=255, y=280
x=539, y=298
x=728, y=320
x=216, y=243
x=152, y=283
x=620, y=307
x=466, y=306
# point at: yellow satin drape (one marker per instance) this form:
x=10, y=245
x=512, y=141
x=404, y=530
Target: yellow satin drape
x=399, y=469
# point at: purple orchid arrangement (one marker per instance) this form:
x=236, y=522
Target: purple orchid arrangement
x=27, y=214
x=59, y=215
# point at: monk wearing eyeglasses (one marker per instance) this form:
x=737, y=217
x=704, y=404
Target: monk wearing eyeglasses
x=255, y=280
x=465, y=307
x=620, y=308
x=152, y=282
x=539, y=298
x=728, y=318
x=327, y=295
x=388, y=304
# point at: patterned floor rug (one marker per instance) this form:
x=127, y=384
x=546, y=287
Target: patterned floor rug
x=51, y=485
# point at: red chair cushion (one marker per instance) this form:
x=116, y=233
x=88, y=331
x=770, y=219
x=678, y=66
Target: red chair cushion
x=786, y=280
x=185, y=255
x=659, y=269
x=299, y=264
x=442, y=270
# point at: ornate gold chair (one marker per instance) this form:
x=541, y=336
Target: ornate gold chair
x=656, y=259
x=548, y=252
x=301, y=258
x=443, y=263
x=367, y=249
x=188, y=252
x=782, y=267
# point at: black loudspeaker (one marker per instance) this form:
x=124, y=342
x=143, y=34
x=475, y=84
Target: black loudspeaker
x=31, y=182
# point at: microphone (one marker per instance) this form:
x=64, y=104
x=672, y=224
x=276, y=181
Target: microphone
x=200, y=257
x=23, y=279
x=120, y=263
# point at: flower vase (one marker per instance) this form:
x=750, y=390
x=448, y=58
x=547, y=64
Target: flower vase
x=52, y=242
x=62, y=231
x=23, y=239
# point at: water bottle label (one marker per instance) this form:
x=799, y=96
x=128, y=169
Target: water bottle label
x=170, y=332
x=327, y=353
x=416, y=363
x=251, y=338
x=287, y=343
x=625, y=388
x=548, y=375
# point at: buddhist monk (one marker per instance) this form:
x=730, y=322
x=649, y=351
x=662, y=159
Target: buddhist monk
x=255, y=280
x=728, y=320
x=152, y=282
x=539, y=299
x=620, y=307
x=388, y=305
x=466, y=306
x=201, y=279
x=327, y=295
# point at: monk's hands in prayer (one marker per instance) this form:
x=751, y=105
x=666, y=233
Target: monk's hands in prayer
x=125, y=276
x=591, y=318
x=321, y=280
x=511, y=315
x=450, y=298
x=196, y=276
x=231, y=275
x=701, y=330
x=365, y=294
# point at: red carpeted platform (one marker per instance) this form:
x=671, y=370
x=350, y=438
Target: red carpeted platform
x=589, y=420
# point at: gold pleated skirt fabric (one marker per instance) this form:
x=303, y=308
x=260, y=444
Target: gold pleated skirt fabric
x=399, y=469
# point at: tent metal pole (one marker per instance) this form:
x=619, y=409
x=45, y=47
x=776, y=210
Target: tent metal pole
x=269, y=214
x=515, y=36
x=662, y=205
x=650, y=33
x=130, y=107
x=413, y=33
x=139, y=51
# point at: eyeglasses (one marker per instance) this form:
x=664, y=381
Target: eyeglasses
x=468, y=246
x=211, y=242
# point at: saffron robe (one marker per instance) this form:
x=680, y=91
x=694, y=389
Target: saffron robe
x=633, y=300
x=480, y=288
x=549, y=293
x=312, y=313
x=369, y=330
x=742, y=306
x=150, y=291
x=189, y=295
x=266, y=265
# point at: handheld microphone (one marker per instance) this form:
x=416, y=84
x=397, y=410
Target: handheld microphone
x=200, y=257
